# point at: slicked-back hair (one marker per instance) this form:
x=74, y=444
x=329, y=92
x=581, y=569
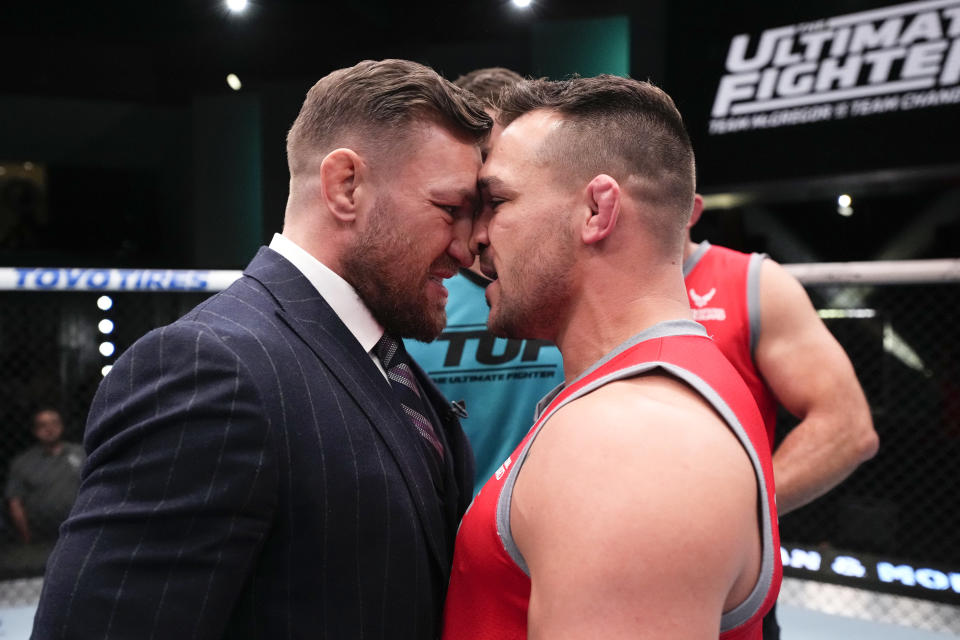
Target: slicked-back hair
x=628, y=129
x=487, y=83
x=375, y=105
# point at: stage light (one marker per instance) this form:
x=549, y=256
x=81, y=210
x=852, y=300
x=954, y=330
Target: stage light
x=107, y=349
x=104, y=303
x=843, y=205
x=105, y=370
x=521, y=4
x=105, y=326
x=237, y=6
x=234, y=82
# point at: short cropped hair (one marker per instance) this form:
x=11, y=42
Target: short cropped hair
x=374, y=104
x=628, y=129
x=37, y=409
x=487, y=83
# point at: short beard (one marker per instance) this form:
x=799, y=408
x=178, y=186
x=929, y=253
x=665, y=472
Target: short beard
x=541, y=294
x=378, y=266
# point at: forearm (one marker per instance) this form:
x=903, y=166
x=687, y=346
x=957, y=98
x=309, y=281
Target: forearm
x=818, y=455
x=19, y=516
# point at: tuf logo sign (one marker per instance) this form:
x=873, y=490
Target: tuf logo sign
x=896, y=58
x=493, y=359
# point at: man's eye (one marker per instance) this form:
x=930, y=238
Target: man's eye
x=494, y=203
x=449, y=208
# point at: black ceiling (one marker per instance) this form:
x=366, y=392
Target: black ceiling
x=161, y=52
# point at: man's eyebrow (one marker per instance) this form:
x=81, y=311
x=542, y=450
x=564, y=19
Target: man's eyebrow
x=466, y=194
x=490, y=182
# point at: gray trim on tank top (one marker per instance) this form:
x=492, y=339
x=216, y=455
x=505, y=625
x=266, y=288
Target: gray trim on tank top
x=753, y=297
x=695, y=257
x=680, y=327
x=547, y=399
x=743, y=611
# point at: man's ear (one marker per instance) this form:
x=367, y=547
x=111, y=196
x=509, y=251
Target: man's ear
x=697, y=210
x=340, y=175
x=603, y=198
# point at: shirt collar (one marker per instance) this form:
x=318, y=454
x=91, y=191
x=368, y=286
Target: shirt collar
x=336, y=291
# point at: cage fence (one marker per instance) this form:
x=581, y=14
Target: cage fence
x=886, y=535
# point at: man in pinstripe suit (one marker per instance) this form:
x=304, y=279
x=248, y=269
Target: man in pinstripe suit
x=258, y=469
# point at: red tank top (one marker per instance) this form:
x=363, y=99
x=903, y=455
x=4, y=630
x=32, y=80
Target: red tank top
x=489, y=586
x=724, y=290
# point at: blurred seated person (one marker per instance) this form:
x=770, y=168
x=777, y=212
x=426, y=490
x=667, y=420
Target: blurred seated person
x=44, y=479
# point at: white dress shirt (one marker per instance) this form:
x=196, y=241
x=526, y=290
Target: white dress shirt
x=337, y=292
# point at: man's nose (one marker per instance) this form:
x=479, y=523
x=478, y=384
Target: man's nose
x=479, y=239
x=459, y=248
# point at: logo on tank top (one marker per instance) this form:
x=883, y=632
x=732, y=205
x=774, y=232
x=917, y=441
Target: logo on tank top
x=503, y=469
x=700, y=309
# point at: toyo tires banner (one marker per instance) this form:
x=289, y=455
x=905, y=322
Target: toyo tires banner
x=83, y=279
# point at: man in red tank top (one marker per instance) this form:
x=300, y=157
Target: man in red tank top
x=762, y=320
x=641, y=502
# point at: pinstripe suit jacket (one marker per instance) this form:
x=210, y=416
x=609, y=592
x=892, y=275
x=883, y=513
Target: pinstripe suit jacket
x=251, y=475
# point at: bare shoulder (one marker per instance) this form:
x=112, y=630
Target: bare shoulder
x=781, y=293
x=639, y=484
x=617, y=442
x=654, y=418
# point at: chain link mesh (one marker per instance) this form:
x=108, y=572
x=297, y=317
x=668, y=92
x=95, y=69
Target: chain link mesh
x=902, y=502
x=51, y=355
x=899, y=507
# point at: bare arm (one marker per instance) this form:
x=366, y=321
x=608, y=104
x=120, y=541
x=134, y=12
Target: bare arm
x=635, y=527
x=812, y=377
x=19, y=516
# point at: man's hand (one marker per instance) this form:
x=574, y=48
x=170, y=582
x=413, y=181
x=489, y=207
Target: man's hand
x=19, y=516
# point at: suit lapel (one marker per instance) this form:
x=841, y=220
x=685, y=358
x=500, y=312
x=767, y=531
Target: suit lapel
x=312, y=319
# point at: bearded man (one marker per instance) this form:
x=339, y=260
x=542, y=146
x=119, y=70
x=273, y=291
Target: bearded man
x=271, y=465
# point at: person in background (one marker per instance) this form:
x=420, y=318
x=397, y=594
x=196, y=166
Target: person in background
x=762, y=320
x=43, y=480
x=641, y=502
x=272, y=465
x=496, y=381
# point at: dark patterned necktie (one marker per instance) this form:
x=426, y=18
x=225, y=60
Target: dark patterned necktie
x=394, y=359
